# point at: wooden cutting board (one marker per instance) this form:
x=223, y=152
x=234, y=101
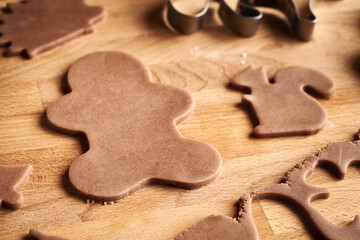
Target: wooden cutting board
x=203, y=64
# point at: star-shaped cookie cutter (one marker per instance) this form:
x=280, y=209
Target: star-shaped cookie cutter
x=245, y=19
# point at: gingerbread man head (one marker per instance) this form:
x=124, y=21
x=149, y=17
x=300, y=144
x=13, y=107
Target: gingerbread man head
x=112, y=70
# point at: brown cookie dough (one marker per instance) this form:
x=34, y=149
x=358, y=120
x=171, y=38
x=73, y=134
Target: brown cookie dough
x=11, y=179
x=130, y=124
x=341, y=154
x=36, y=235
x=283, y=107
x=295, y=190
x=39, y=25
x=217, y=227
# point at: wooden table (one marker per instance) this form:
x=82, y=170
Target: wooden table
x=203, y=64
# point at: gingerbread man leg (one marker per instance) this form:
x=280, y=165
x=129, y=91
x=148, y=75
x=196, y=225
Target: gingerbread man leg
x=101, y=176
x=185, y=163
x=194, y=164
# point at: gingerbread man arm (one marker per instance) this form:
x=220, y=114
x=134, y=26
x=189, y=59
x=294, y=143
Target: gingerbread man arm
x=301, y=77
x=180, y=104
x=64, y=114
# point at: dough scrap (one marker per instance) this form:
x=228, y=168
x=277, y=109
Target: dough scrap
x=11, y=179
x=222, y=227
x=295, y=190
x=283, y=107
x=39, y=25
x=130, y=124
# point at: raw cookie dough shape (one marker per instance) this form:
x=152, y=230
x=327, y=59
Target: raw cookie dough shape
x=299, y=192
x=217, y=227
x=130, y=124
x=39, y=25
x=36, y=235
x=11, y=179
x=294, y=189
x=283, y=107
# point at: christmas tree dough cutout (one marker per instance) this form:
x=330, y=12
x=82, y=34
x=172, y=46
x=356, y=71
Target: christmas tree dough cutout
x=283, y=107
x=36, y=26
x=130, y=124
x=11, y=179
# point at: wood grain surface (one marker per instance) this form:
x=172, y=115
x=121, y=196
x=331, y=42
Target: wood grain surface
x=203, y=64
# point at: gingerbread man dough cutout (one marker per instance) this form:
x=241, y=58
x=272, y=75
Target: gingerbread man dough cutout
x=130, y=124
x=283, y=107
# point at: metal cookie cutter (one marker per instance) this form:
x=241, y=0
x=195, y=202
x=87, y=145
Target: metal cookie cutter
x=183, y=23
x=245, y=19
